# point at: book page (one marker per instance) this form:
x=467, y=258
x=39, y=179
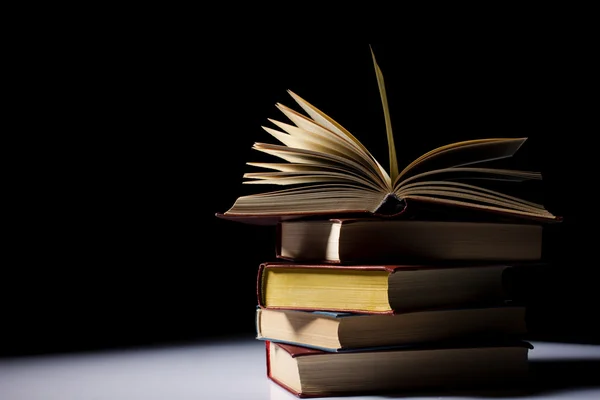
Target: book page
x=467, y=193
x=309, y=200
x=462, y=153
x=302, y=156
x=324, y=120
x=461, y=173
x=388, y=122
x=491, y=206
x=304, y=177
x=311, y=132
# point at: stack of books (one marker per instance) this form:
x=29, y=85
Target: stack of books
x=386, y=282
x=335, y=322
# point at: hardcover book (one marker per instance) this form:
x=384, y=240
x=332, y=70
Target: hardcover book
x=382, y=289
x=336, y=332
x=307, y=372
x=355, y=240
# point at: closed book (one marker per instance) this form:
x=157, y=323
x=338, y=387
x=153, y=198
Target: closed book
x=382, y=289
x=360, y=240
x=336, y=332
x=307, y=372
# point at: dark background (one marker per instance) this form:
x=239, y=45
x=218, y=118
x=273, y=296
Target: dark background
x=119, y=245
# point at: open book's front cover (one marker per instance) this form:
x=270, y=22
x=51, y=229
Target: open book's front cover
x=270, y=219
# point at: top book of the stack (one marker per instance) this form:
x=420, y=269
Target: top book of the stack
x=329, y=173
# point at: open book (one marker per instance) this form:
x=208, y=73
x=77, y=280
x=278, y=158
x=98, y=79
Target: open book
x=327, y=171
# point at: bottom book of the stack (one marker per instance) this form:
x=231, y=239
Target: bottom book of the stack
x=310, y=372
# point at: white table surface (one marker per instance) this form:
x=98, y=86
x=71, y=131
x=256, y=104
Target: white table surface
x=235, y=369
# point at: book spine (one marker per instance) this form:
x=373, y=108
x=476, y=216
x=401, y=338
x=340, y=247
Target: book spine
x=278, y=233
x=270, y=376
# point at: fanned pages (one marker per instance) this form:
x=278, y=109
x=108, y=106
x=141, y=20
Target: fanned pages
x=326, y=171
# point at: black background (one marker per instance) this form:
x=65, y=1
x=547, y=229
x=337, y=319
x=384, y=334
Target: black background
x=119, y=244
